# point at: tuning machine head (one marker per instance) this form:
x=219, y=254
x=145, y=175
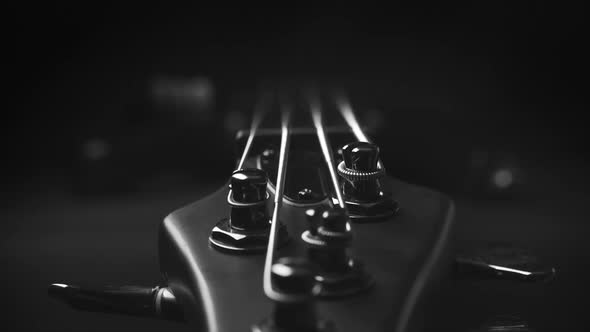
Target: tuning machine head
x=295, y=310
x=247, y=228
x=361, y=175
x=328, y=241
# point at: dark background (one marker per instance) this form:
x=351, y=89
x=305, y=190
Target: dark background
x=102, y=139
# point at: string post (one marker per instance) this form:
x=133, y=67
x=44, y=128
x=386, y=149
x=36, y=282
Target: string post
x=360, y=173
x=328, y=241
x=361, y=183
x=248, y=226
x=296, y=311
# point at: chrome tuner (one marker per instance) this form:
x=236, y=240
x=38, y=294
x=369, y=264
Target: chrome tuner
x=247, y=228
x=328, y=240
x=294, y=309
x=361, y=185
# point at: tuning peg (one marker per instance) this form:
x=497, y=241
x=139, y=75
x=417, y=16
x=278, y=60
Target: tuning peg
x=295, y=310
x=328, y=241
x=329, y=244
x=247, y=228
x=247, y=200
x=361, y=185
x=156, y=302
x=503, y=262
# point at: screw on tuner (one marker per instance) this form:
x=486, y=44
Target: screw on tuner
x=361, y=185
x=248, y=226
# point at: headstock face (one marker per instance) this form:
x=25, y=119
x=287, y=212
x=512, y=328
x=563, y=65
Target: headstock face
x=404, y=254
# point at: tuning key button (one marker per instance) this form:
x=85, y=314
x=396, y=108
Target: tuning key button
x=293, y=280
x=247, y=199
x=328, y=241
x=155, y=302
x=361, y=156
x=247, y=228
x=248, y=185
x=361, y=184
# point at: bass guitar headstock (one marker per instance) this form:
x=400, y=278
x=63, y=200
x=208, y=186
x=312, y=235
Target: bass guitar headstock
x=310, y=234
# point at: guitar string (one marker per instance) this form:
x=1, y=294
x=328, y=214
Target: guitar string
x=278, y=202
x=345, y=108
x=316, y=115
x=260, y=111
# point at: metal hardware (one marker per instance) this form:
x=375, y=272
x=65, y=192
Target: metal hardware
x=247, y=228
x=361, y=184
x=295, y=310
x=328, y=239
x=156, y=302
